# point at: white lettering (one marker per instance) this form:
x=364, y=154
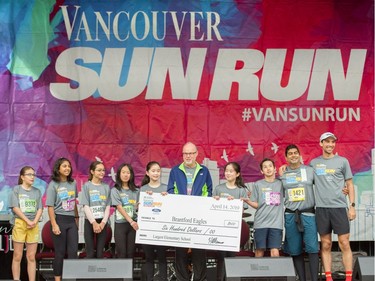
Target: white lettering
x=151, y=67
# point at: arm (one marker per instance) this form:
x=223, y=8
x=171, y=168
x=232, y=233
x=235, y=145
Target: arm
x=171, y=181
x=95, y=226
x=52, y=218
x=22, y=216
x=350, y=187
x=127, y=217
x=251, y=203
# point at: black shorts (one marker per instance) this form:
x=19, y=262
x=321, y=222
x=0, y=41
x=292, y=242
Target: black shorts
x=328, y=219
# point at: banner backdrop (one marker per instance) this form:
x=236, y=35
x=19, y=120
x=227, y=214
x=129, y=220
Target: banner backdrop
x=132, y=81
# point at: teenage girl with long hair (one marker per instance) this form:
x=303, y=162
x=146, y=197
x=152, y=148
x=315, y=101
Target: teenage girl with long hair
x=124, y=197
x=151, y=184
x=26, y=204
x=96, y=205
x=234, y=188
x=63, y=214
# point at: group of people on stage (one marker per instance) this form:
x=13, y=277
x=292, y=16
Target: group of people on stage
x=305, y=200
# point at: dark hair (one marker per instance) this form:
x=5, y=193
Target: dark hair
x=131, y=183
x=22, y=173
x=239, y=180
x=265, y=160
x=56, y=170
x=289, y=147
x=146, y=178
x=93, y=167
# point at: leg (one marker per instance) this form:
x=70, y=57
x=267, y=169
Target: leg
x=182, y=272
x=347, y=256
x=259, y=253
x=89, y=240
x=162, y=260
x=100, y=242
x=326, y=241
x=199, y=264
x=130, y=241
x=120, y=243
x=310, y=237
x=314, y=266
x=149, y=264
x=31, y=249
x=17, y=257
x=220, y=265
x=60, y=243
x=275, y=252
x=72, y=240
x=299, y=265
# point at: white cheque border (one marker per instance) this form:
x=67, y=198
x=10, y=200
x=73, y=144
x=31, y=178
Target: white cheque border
x=189, y=221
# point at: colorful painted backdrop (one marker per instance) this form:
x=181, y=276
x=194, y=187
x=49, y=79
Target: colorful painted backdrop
x=131, y=81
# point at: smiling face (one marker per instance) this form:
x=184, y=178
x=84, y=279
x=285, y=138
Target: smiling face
x=154, y=172
x=328, y=145
x=64, y=170
x=98, y=173
x=231, y=174
x=293, y=157
x=189, y=154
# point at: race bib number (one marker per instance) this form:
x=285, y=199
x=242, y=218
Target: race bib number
x=69, y=204
x=296, y=194
x=272, y=198
x=97, y=211
x=129, y=209
x=27, y=205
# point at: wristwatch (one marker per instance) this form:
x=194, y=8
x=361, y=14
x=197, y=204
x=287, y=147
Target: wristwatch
x=352, y=204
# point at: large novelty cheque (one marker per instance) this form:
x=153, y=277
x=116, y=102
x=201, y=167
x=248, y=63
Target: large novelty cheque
x=189, y=221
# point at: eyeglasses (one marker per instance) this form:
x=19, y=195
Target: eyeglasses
x=188, y=153
x=30, y=175
x=100, y=170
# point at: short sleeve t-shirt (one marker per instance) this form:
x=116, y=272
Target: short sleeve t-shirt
x=62, y=196
x=29, y=201
x=298, y=185
x=223, y=191
x=128, y=200
x=330, y=175
x=97, y=197
x=270, y=198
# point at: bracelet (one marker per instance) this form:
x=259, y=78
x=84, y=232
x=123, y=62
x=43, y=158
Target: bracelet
x=131, y=222
x=76, y=217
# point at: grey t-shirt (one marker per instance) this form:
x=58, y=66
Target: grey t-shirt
x=189, y=177
x=270, y=198
x=97, y=197
x=29, y=201
x=128, y=200
x=223, y=191
x=298, y=185
x=62, y=196
x=161, y=188
x=330, y=176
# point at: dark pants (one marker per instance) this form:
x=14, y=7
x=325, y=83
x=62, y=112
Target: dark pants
x=124, y=240
x=94, y=242
x=66, y=244
x=162, y=260
x=220, y=263
x=198, y=258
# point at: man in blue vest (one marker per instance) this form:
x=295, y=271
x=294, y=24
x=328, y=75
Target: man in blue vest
x=190, y=178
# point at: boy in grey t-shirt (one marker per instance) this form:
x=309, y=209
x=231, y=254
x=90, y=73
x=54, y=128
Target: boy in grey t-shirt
x=267, y=197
